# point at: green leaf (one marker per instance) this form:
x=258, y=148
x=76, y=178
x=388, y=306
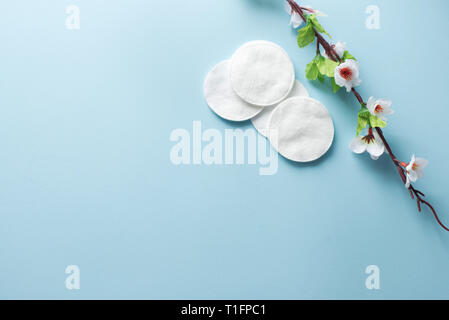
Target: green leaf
x=376, y=122
x=335, y=86
x=327, y=67
x=306, y=36
x=364, y=113
x=314, y=21
x=321, y=78
x=319, y=59
x=363, y=119
x=312, y=71
x=347, y=55
x=308, y=17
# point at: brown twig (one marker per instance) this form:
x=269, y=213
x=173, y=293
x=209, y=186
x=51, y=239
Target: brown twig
x=331, y=53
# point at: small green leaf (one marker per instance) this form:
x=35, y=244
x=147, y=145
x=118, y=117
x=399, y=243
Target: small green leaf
x=363, y=119
x=335, y=86
x=312, y=71
x=319, y=59
x=321, y=78
x=327, y=67
x=376, y=122
x=314, y=21
x=361, y=124
x=306, y=36
x=347, y=55
x=364, y=112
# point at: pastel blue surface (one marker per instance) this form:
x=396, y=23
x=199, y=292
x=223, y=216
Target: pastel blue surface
x=87, y=179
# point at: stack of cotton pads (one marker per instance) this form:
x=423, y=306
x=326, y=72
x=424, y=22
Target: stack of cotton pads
x=258, y=84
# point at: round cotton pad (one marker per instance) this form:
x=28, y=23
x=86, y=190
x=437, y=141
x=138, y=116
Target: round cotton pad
x=301, y=129
x=260, y=121
x=221, y=98
x=262, y=73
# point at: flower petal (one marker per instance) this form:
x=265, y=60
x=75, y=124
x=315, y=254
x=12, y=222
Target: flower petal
x=340, y=48
x=422, y=163
x=313, y=11
x=348, y=86
x=388, y=111
x=376, y=149
x=352, y=64
x=288, y=8
x=413, y=176
x=419, y=173
x=407, y=184
x=371, y=105
x=356, y=81
x=409, y=167
x=320, y=13
x=377, y=138
x=357, y=145
x=296, y=20
x=385, y=103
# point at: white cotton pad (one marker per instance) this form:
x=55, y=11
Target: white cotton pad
x=260, y=121
x=222, y=99
x=301, y=129
x=262, y=73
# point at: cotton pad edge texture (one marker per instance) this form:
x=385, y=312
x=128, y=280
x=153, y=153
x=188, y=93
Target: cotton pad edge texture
x=262, y=73
x=261, y=121
x=222, y=99
x=301, y=129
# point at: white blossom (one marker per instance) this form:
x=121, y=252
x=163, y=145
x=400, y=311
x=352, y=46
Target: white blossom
x=339, y=48
x=415, y=170
x=318, y=13
x=347, y=74
x=296, y=20
x=380, y=107
x=369, y=142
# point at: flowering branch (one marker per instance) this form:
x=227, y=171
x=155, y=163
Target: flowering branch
x=342, y=69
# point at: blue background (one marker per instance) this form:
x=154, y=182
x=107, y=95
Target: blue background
x=86, y=177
